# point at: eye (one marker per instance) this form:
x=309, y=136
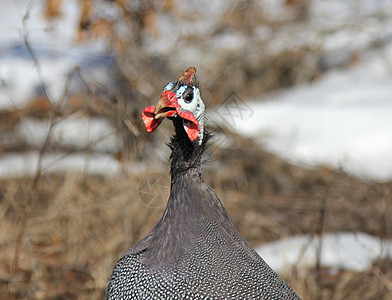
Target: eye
x=188, y=97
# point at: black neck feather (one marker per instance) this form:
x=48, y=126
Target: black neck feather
x=191, y=205
x=186, y=154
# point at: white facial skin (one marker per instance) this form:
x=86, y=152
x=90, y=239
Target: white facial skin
x=189, y=99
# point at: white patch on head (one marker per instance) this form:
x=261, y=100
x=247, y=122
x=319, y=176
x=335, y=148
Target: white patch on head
x=181, y=91
x=195, y=106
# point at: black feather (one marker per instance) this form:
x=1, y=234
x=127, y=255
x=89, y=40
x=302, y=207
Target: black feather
x=186, y=154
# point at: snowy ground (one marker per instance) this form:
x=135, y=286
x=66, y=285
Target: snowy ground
x=344, y=119
x=339, y=251
x=15, y=165
x=53, y=44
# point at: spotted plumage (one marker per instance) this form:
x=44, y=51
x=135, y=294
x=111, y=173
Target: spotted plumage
x=194, y=252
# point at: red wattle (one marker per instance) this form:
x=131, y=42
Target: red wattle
x=149, y=120
x=192, y=130
x=191, y=125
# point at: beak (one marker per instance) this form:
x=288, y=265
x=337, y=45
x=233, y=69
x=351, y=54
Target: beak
x=166, y=106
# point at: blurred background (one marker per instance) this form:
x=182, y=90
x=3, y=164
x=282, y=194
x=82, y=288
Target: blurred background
x=299, y=99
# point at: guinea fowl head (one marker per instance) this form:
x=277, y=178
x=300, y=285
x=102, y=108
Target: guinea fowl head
x=181, y=102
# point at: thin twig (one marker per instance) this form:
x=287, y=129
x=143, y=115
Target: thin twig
x=51, y=119
x=110, y=95
x=26, y=40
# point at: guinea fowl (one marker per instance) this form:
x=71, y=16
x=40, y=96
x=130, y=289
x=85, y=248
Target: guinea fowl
x=194, y=252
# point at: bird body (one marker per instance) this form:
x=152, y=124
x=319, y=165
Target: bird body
x=194, y=251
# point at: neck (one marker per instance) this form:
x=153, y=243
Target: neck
x=192, y=204
x=186, y=154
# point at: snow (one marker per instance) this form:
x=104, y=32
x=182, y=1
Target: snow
x=95, y=134
x=343, y=120
x=15, y=165
x=54, y=46
x=58, y=32
x=339, y=251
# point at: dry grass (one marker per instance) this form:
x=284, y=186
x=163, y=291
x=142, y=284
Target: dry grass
x=75, y=233
x=80, y=225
